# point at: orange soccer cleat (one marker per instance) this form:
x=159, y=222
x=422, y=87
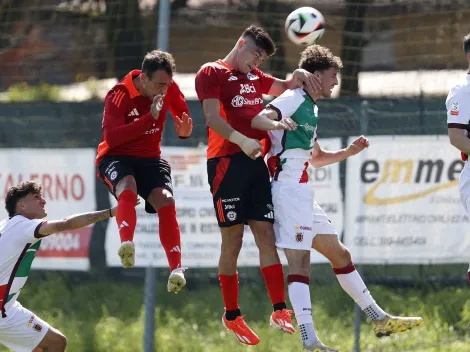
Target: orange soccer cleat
x=243, y=333
x=281, y=319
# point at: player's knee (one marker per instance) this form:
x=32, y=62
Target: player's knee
x=126, y=183
x=167, y=201
x=58, y=341
x=265, y=239
x=61, y=342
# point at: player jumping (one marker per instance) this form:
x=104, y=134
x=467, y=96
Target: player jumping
x=301, y=224
x=129, y=154
x=20, y=238
x=458, y=127
x=231, y=92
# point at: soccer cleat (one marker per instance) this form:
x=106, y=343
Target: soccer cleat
x=281, y=319
x=390, y=325
x=318, y=347
x=242, y=332
x=176, y=280
x=127, y=254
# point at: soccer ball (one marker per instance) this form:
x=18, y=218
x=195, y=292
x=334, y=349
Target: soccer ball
x=305, y=25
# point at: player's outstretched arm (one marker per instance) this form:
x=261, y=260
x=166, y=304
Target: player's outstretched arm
x=266, y=120
x=74, y=221
x=321, y=157
x=300, y=79
x=459, y=140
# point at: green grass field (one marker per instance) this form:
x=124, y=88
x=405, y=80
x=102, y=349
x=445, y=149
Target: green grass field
x=108, y=316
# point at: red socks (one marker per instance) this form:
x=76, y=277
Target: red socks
x=229, y=284
x=170, y=235
x=274, y=279
x=125, y=215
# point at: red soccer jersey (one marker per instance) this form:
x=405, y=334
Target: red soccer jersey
x=128, y=125
x=241, y=99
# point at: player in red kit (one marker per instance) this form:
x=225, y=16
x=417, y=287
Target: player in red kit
x=129, y=155
x=231, y=92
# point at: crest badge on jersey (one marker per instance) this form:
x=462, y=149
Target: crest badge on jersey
x=251, y=76
x=455, y=109
x=299, y=236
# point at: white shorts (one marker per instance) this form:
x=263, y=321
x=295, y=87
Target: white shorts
x=21, y=330
x=464, y=187
x=297, y=217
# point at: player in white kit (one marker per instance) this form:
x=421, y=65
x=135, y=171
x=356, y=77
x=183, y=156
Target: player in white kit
x=300, y=223
x=20, y=238
x=458, y=127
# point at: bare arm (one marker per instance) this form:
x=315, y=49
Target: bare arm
x=266, y=120
x=74, y=222
x=459, y=140
x=321, y=157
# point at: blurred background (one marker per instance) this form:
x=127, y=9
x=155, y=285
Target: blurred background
x=58, y=60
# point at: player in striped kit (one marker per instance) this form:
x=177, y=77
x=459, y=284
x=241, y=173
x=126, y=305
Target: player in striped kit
x=458, y=127
x=20, y=238
x=301, y=224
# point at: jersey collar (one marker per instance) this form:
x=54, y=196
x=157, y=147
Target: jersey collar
x=308, y=95
x=129, y=84
x=226, y=65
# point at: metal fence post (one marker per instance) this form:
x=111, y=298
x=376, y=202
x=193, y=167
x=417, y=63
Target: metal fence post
x=364, y=122
x=150, y=299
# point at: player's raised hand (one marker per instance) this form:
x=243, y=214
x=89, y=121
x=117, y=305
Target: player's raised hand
x=307, y=80
x=157, y=105
x=183, y=125
x=358, y=145
x=286, y=124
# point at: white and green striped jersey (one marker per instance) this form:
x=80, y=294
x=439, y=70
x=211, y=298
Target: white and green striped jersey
x=291, y=150
x=18, y=247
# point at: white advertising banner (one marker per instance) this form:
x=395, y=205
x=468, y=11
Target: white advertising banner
x=200, y=237
x=67, y=177
x=403, y=202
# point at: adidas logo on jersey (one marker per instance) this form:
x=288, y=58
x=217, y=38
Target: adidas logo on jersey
x=232, y=78
x=134, y=112
x=270, y=215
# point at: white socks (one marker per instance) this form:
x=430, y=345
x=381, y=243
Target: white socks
x=352, y=283
x=299, y=296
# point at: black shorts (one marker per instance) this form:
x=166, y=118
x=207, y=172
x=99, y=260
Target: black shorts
x=241, y=189
x=149, y=173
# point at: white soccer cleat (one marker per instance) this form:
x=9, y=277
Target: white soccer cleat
x=127, y=254
x=176, y=280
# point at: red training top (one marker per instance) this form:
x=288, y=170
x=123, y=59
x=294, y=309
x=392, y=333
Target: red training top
x=128, y=125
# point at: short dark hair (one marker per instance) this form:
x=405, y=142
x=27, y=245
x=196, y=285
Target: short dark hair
x=319, y=58
x=466, y=44
x=18, y=192
x=158, y=60
x=261, y=39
